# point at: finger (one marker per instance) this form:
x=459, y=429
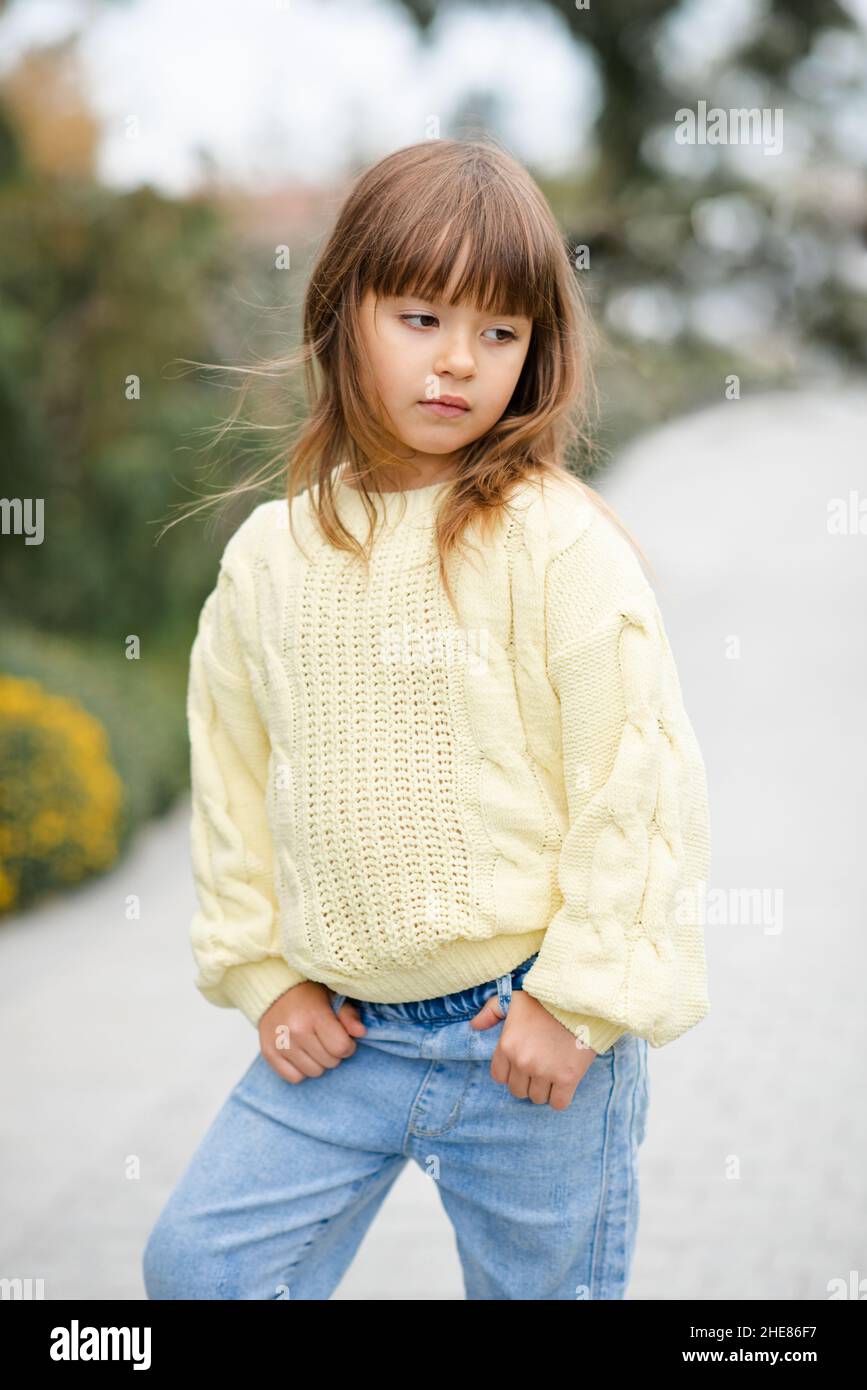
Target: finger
x=488, y=1014
x=302, y=1051
x=289, y=1071
x=327, y=1042
x=500, y=1067
x=519, y=1083
x=284, y=1070
x=331, y=1043
x=561, y=1096
x=351, y=1019
x=539, y=1090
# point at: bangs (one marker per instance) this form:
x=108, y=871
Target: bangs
x=458, y=222
x=419, y=241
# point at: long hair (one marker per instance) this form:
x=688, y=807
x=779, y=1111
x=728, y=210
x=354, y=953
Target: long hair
x=400, y=231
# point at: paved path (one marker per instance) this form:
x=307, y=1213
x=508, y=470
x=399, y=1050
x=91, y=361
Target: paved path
x=753, y=1176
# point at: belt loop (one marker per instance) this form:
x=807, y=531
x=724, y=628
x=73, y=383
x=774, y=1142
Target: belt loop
x=504, y=992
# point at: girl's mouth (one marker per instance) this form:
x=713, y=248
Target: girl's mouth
x=440, y=408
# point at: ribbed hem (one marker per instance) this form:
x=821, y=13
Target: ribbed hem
x=253, y=986
x=598, y=1033
x=456, y=965
x=555, y=975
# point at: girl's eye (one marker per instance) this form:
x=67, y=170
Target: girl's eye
x=512, y=337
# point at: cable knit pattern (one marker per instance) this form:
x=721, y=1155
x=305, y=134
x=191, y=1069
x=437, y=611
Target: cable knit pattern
x=623, y=945
x=400, y=806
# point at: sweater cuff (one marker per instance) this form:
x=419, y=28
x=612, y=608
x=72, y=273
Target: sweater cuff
x=598, y=1033
x=253, y=986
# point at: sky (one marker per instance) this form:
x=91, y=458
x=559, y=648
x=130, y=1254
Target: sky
x=276, y=89
x=270, y=91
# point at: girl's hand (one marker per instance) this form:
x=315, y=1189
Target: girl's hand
x=536, y=1056
x=300, y=1034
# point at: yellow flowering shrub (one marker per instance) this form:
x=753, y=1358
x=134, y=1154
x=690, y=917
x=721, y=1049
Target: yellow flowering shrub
x=60, y=797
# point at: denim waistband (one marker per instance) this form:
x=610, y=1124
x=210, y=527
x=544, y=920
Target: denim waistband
x=462, y=1004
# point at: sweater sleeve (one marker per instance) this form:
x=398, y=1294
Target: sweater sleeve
x=625, y=951
x=234, y=931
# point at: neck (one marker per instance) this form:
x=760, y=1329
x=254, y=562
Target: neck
x=408, y=480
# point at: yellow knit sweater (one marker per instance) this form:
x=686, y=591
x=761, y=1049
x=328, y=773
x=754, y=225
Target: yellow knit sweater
x=401, y=806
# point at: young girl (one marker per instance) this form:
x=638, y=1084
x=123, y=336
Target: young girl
x=450, y=819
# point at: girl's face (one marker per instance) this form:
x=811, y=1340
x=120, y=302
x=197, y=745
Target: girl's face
x=421, y=352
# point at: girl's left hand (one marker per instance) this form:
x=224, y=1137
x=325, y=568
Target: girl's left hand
x=536, y=1057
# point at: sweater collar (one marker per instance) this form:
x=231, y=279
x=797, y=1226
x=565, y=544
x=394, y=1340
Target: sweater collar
x=408, y=502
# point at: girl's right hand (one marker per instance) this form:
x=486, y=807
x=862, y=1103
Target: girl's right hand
x=300, y=1034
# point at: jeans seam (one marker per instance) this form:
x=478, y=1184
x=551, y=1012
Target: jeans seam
x=600, y=1234
x=358, y=1188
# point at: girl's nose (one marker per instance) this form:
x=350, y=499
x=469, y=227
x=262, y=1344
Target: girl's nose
x=456, y=359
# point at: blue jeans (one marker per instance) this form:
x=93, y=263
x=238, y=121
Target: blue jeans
x=284, y=1185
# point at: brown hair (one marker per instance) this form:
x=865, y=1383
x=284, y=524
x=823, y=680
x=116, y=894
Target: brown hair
x=401, y=230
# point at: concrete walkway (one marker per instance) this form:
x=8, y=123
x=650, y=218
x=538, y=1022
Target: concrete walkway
x=753, y=1176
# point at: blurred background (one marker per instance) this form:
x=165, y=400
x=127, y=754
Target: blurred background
x=167, y=174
